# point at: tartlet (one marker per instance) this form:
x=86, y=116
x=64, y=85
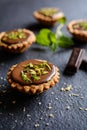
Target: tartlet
x=48, y=16
x=33, y=76
x=78, y=28
x=16, y=41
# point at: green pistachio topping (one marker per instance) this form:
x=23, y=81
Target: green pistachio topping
x=19, y=34
x=35, y=71
x=25, y=78
x=48, y=11
x=82, y=25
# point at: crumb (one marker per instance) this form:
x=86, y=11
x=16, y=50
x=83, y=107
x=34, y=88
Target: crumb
x=28, y=115
x=80, y=108
x=51, y=115
x=47, y=124
x=36, y=125
x=13, y=102
x=49, y=107
x=1, y=78
x=11, y=114
x=68, y=107
x=24, y=109
x=39, y=103
x=4, y=79
x=68, y=88
x=85, y=109
x=56, y=98
x=62, y=89
x=64, y=83
x=15, y=121
x=41, y=118
x=52, y=93
x=82, y=97
x=74, y=94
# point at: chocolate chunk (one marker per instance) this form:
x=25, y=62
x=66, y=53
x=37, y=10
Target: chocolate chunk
x=84, y=64
x=74, y=61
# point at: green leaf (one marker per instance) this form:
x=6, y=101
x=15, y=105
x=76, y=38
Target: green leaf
x=53, y=41
x=62, y=20
x=65, y=42
x=42, y=37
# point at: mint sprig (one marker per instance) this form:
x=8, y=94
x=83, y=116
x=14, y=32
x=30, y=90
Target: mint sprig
x=54, y=40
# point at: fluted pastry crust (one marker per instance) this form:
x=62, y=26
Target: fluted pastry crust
x=33, y=89
x=19, y=47
x=46, y=20
x=78, y=34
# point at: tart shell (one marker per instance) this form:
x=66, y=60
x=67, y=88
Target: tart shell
x=19, y=47
x=80, y=35
x=33, y=89
x=46, y=20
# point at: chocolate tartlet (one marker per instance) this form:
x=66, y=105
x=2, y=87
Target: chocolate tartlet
x=78, y=29
x=17, y=41
x=33, y=76
x=48, y=16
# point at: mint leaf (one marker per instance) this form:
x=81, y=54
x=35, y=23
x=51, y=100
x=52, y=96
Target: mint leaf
x=53, y=41
x=42, y=37
x=65, y=42
x=62, y=20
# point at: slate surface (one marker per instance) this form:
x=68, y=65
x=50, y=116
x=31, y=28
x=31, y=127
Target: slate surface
x=29, y=111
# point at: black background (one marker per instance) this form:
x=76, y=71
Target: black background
x=30, y=110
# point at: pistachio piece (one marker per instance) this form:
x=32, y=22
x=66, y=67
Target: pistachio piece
x=48, y=11
x=25, y=78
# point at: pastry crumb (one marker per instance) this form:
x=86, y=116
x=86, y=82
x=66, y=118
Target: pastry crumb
x=52, y=93
x=68, y=88
x=13, y=102
x=68, y=108
x=51, y=115
x=36, y=125
x=39, y=103
x=47, y=124
x=24, y=109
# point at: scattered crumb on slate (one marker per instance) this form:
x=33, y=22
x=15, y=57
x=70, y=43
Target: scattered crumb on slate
x=36, y=125
x=51, y=115
x=68, y=108
x=68, y=88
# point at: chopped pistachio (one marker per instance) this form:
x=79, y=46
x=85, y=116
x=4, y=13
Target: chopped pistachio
x=30, y=65
x=38, y=71
x=48, y=11
x=35, y=77
x=16, y=34
x=47, y=65
x=32, y=72
x=45, y=72
x=25, y=78
x=83, y=25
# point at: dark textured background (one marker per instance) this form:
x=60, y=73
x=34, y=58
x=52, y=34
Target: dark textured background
x=30, y=110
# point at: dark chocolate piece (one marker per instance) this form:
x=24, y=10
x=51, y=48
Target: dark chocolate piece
x=74, y=61
x=84, y=64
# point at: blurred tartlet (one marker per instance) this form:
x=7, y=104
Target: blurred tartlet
x=48, y=16
x=33, y=76
x=16, y=41
x=78, y=29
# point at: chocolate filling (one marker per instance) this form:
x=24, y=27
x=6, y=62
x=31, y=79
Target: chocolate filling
x=12, y=39
x=16, y=73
